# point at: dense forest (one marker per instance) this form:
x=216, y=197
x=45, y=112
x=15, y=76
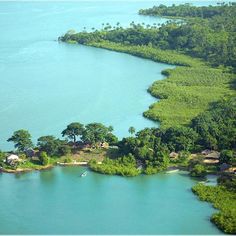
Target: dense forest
x=188, y=10
x=150, y=148
x=212, y=37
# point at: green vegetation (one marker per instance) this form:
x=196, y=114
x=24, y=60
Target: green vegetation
x=187, y=10
x=73, y=130
x=217, y=126
x=186, y=93
x=198, y=171
x=96, y=133
x=50, y=150
x=210, y=34
x=125, y=166
x=132, y=130
x=52, y=146
x=43, y=157
x=190, y=88
x=228, y=157
x=21, y=139
x=222, y=198
x=150, y=148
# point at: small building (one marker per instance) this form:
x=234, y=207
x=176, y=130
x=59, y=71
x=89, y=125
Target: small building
x=12, y=159
x=104, y=145
x=212, y=158
x=173, y=155
x=232, y=170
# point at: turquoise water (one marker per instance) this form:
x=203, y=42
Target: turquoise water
x=45, y=84
x=59, y=201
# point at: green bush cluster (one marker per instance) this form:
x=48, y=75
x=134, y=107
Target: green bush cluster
x=125, y=166
x=222, y=199
x=198, y=171
x=44, y=159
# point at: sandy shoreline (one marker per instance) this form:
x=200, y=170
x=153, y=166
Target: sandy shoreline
x=22, y=170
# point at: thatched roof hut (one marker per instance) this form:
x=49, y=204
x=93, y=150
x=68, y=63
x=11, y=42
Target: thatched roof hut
x=212, y=158
x=173, y=155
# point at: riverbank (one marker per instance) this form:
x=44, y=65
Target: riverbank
x=22, y=170
x=188, y=89
x=195, y=83
x=80, y=157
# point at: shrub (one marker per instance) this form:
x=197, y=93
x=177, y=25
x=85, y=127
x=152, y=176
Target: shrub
x=43, y=157
x=198, y=171
x=67, y=160
x=227, y=156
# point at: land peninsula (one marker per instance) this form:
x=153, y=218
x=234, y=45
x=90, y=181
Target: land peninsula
x=196, y=111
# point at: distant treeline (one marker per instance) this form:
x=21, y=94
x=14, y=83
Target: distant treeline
x=212, y=37
x=188, y=10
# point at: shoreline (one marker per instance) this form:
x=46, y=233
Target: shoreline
x=176, y=91
x=23, y=170
x=48, y=167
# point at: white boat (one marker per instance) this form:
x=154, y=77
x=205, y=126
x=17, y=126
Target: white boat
x=83, y=174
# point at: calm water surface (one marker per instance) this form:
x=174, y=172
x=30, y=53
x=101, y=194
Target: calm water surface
x=45, y=85
x=59, y=201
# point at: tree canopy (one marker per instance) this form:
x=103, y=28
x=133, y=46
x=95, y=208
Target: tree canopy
x=209, y=34
x=96, y=133
x=21, y=139
x=73, y=131
x=50, y=144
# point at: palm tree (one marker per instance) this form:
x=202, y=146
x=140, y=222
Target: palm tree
x=110, y=128
x=131, y=130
